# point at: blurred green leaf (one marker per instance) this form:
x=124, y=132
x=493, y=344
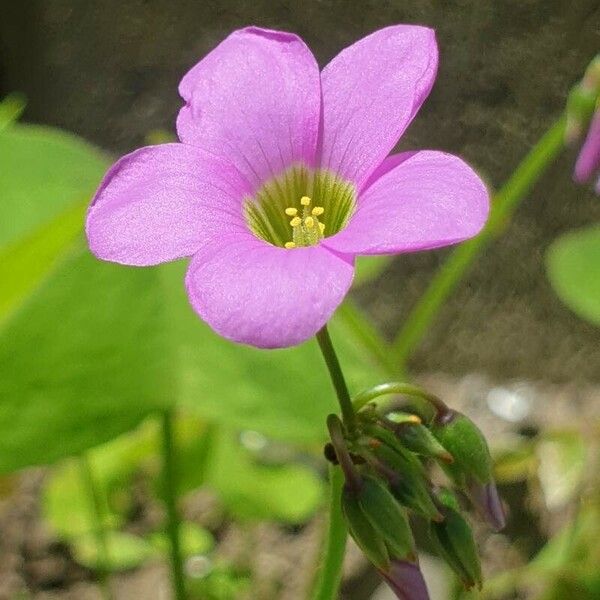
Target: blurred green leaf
x=194, y=540
x=11, y=107
x=574, y=548
x=44, y=172
x=125, y=551
x=252, y=491
x=83, y=361
x=24, y=263
x=515, y=465
x=248, y=488
x=562, y=464
x=67, y=506
x=573, y=264
x=222, y=582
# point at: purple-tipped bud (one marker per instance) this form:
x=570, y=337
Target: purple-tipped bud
x=454, y=541
x=462, y=438
x=406, y=580
x=487, y=503
x=588, y=161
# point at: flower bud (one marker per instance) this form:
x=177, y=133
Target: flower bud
x=387, y=518
x=417, y=438
x=381, y=530
x=454, y=541
x=404, y=472
x=406, y=580
x=487, y=503
x=361, y=530
x=461, y=437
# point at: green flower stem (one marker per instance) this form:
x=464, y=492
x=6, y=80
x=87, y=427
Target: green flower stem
x=170, y=498
x=393, y=387
x=97, y=513
x=330, y=575
x=503, y=206
x=337, y=378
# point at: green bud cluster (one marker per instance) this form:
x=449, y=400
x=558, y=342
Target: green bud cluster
x=386, y=459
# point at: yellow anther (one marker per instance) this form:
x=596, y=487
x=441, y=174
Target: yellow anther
x=291, y=212
x=305, y=200
x=317, y=211
x=295, y=221
x=309, y=222
x=290, y=245
x=322, y=228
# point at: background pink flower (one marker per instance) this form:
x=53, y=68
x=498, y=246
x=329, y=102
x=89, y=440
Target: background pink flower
x=588, y=161
x=281, y=179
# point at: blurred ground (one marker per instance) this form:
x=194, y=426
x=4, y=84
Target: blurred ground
x=109, y=72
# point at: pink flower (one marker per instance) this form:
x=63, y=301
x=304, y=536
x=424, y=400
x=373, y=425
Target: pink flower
x=588, y=161
x=281, y=179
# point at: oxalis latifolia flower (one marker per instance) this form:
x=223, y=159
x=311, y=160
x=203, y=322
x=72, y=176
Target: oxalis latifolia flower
x=281, y=178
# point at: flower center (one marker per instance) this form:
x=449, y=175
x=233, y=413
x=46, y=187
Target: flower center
x=300, y=207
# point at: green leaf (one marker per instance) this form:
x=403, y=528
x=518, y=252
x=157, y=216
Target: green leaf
x=252, y=491
x=82, y=362
x=125, y=551
x=67, y=507
x=573, y=264
x=562, y=463
x=517, y=464
x=24, y=263
x=44, y=171
x=194, y=540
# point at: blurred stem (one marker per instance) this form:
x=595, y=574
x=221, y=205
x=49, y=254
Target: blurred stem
x=503, y=206
x=170, y=498
x=329, y=576
x=370, y=338
x=337, y=378
x=97, y=514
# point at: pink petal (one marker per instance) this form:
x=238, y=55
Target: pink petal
x=371, y=92
x=255, y=99
x=254, y=293
x=588, y=161
x=162, y=202
x=429, y=199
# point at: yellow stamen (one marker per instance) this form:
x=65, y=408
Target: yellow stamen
x=305, y=200
x=318, y=211
x=290, y=245
x=295, y=221
x=291, y=212
x=309, y=222
x=322, y=227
